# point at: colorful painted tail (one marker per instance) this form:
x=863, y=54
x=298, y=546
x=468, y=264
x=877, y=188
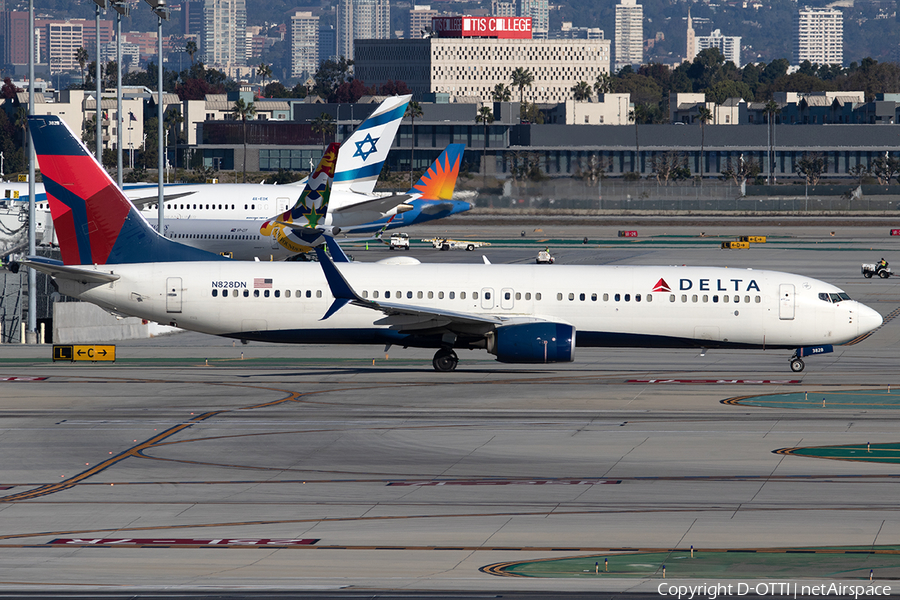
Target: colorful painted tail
x=94, y=221
x=363, y=154
x=310, y=210
x=439, y=180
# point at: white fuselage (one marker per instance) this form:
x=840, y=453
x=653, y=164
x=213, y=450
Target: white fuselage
x=607, y=305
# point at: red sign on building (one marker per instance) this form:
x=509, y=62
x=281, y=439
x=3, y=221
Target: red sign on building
x=483, y=27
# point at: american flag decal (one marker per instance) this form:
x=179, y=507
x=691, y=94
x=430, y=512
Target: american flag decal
x=259, y=282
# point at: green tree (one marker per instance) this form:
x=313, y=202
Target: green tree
x=264, y=72
x=501, y=93
x=325, y=125
x=486, y=117
x=191, y=49
x=81, y=57
x=811, y=166
x=522, y=78
x=704, y=115
x=603, y=84
x=771, y=109
x=581, y=91
x=243, y=111
x=413, y=110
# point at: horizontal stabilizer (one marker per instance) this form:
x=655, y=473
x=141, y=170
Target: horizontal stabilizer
x=60, y=271
x=381, y=205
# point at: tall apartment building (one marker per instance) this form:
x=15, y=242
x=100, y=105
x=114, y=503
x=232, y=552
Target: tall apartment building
x=503, y=8
x=419, y=21
x=361, y=20
x=63, y=39
x=224, y=38
x=539, y=11
x=819, y=36
x=472, y=67
x=304, y=43
x=729, y=46
x=327, y=42
x=14, y=37
x=629, y=40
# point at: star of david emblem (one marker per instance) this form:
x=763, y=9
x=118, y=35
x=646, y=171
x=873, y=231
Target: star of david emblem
x=359, y=147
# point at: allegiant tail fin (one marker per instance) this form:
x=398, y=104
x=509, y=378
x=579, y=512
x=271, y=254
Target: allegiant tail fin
x=439, y=181
x=95, y=222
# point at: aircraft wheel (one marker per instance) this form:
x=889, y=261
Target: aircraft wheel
x=445, y=360
x=797, y=365
x=884, y=274
x=868, y=274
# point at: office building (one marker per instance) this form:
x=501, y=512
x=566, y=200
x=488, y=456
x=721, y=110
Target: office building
x=419, y=22
x=629, y=38
x=63, y=39
x=361, y=20
x=224, y=36
x=819, y=36
x=539, y=11
x=327, y=41
x=729, y=46
x=304, y=43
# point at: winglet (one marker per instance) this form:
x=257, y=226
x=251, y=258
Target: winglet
x=340, y=289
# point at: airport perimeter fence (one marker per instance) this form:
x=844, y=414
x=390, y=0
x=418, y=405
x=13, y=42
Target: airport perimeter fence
x=711, y=196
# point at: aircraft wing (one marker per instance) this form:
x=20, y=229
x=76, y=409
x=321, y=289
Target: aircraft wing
x=381, y=205
x=142, y=201
x=408, y=318
x=58, y=270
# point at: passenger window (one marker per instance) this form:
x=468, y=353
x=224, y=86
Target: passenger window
x=419, y=295
x=487, y=296
x=287, y=293
x=518, y=295
x=409, y=295
x=559, y=295
x=537, y=296
x=462, y=295
x=309, y=294
x=571, y=296
x=318, y=293
x=266, y=293
x=475, y=295
x=365, y=294
x=440, y=295
x=246, y=293
x=637, y=297
x=627, y=297
x=581, y=297
x=278, y=293
x=452, y=295
x=387, y=294
x=593, y=297
x=256, y=293
x=375, y=294
x=694, y=298
x=606, y=297
x=705, y=298
x=747, y=299
x=430, y=295
x=507, y=295
x=215, y=292
x=725, y=299
x=399, y=294
x=234, y=293
x=758, y=299
x=617, y=297
x=715, y=298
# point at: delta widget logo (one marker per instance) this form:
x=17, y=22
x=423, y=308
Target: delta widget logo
x=661, y=286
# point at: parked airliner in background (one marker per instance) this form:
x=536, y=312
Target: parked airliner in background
x=520, y=313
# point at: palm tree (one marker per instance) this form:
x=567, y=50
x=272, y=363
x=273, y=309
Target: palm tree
x=243, y=111
x=324, y=124
x=771, y=109
x=501, y=93
x=581, y=91
x=603, y=85
x=703, y=116
x=81, y=57
x=22, y=123
x=486, y=116
x=264, y=72
x=191, y=49
x=639, y=114
x=522, y=78
x=413, y=110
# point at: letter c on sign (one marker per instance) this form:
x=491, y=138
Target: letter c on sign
x=660, y=591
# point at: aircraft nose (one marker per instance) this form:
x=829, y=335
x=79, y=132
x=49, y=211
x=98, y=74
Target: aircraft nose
x=869, y=319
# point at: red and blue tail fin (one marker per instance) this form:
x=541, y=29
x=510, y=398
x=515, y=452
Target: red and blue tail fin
x=439, y=180
x=95, y=223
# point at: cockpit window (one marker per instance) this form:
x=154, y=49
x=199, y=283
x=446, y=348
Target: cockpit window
x=835, y=298
x=824, y=296
x=844, y=296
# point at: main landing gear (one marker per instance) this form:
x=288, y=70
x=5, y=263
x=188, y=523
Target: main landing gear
x=445, y=360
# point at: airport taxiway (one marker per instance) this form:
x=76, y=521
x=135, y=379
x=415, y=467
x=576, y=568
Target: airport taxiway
x=194, y=463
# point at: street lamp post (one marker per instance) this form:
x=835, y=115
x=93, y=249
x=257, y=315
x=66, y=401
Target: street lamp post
x=97, y=78
x=31, y=330
x=159, y=7
x=123, y=10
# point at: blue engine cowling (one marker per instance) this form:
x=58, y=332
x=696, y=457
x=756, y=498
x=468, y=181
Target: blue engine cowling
x=533, y=343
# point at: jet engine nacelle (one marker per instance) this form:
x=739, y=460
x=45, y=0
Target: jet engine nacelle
x=533, y=343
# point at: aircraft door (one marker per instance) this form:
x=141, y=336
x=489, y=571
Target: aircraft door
x=282, y=204
x=487, y=298
x=786, y=301
x=506, y=298
x=173, y=294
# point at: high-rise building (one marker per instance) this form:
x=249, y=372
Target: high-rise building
x=503, y=8
x=419, y=21
x=361, y=20
x=819, y=36
x=304, y=43
x=539, y=11
x=224, y=33
x=691, y=49
x=629, y=41
x=327, y=42
x=729, y=46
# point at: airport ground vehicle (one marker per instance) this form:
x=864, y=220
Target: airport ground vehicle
x=447, y=244
x=399, y=241
x=544, y=258
x=870, y=269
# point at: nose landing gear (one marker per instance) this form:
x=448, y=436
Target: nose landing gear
x=796, y=362
x=445, y=360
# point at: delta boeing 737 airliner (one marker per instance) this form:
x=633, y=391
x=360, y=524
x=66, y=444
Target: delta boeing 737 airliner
x=519, y=313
